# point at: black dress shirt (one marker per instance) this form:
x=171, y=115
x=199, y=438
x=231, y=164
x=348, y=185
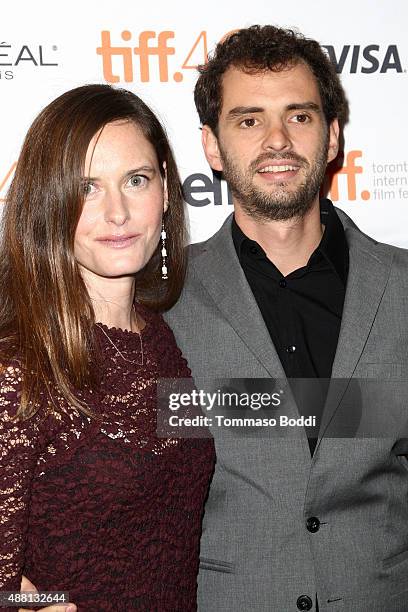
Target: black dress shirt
x=302, y=310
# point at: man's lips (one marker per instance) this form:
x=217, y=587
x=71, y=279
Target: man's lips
x=118, y=241
x=278, y=167
x=276, y=173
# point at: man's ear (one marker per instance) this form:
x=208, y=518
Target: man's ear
x=211, y=148
x=334, y=131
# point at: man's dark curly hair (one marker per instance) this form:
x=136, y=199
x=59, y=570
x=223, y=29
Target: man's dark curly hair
x=260, y=48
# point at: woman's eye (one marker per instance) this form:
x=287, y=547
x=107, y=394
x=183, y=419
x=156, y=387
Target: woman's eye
x=137, y=180
x=88, y=188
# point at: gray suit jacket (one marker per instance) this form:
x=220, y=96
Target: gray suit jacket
x=256, y=551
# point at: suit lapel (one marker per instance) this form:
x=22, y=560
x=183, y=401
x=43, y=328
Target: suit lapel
x=370, y=265
x=218, y=268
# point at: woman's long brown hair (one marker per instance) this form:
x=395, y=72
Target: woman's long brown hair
x=46, y=316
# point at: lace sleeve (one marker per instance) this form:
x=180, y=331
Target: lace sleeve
x=19, y=449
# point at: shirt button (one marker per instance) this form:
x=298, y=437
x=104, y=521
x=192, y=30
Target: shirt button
x=253, y=250
x=313, y=524
x=304, y=603
x=282, y=283
x=291, y=349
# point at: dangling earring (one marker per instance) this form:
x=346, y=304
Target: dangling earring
x=163, y=236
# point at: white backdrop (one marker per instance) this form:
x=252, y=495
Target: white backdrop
x=49, y=47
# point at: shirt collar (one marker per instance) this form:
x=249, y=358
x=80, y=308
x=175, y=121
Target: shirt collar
x=333, y=245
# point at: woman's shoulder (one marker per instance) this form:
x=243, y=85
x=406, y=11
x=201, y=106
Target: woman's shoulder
x=154, y=323
x=161, y=335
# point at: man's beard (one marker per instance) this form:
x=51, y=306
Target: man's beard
x=282, y=203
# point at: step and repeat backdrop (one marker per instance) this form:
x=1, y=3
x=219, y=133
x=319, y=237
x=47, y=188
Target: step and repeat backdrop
x=153, y=49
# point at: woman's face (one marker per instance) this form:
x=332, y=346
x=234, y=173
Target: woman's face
x=125, y=196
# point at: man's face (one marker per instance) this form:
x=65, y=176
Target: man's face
x=273, y=142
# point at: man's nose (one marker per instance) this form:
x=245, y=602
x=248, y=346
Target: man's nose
x=276, y=138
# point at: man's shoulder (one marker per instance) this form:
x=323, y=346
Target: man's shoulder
x=357, y=237
x=217, y=240
x=208, y=262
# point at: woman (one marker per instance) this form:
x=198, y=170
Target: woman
x=91, y=501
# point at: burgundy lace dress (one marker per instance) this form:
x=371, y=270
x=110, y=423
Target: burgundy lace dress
x=104, y=510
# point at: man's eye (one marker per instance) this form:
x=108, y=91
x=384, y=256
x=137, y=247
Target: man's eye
x=248, y=123
x=137, y=180
x=301, y=118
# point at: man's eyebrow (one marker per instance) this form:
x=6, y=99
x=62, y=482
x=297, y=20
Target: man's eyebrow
x=238, y=111
x=304, y=106
x=243, y=110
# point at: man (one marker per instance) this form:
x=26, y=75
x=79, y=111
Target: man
x=289, y=287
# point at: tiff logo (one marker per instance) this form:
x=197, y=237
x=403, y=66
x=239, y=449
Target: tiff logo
x=144, y=51
x=349, y=170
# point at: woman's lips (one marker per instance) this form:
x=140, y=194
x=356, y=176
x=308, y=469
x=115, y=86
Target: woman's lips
x=119, y=242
